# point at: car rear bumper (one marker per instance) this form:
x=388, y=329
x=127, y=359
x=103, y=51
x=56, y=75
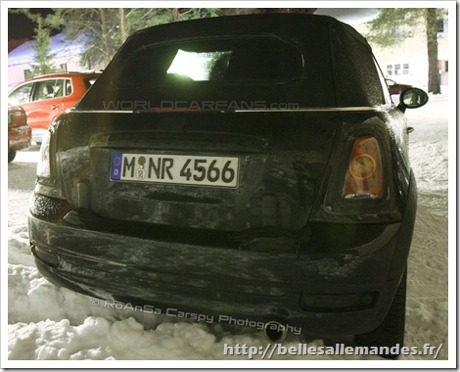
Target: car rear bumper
x=19, y=137
x=330, y=294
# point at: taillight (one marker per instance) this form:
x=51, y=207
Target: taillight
x=17, y=118
x=364, y=176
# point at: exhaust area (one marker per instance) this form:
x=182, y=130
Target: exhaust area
x=275, y=330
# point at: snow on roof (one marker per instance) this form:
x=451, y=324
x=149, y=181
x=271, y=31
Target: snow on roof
x=62, y=47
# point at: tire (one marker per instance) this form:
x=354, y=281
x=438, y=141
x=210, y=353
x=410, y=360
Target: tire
x=11, y=155
x=391, y=332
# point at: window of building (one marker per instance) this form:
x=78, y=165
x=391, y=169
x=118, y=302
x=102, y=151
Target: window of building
x=443, y=66
x=442, y=26
x=389, y=70
x=398, y=69
x=405, y=69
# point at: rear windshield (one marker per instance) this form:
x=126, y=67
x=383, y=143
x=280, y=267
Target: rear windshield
x=222, y=60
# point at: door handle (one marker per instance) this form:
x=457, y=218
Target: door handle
x=53, y=107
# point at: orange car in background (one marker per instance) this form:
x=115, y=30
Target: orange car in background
x=19, y=133
x=43, y=98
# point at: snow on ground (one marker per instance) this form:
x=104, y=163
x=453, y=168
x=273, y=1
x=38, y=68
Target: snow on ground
x=46, y=322
x=427, y=301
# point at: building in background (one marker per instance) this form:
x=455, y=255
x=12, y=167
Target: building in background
x=407, y=62
x=67, y=58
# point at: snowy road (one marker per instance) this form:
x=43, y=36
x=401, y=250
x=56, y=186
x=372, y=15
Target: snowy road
x=45, y=322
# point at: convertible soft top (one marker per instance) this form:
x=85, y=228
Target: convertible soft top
x=307, y=60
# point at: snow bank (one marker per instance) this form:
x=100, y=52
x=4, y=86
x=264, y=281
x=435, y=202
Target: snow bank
x=428, y=150
x=99, y=338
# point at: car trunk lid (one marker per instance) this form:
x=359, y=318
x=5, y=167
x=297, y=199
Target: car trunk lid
x=244, y=170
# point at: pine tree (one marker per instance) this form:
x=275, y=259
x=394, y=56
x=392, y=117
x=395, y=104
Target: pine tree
x=105, y=29
x=43, y=56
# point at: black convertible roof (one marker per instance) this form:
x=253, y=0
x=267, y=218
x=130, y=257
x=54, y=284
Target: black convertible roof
x=283, y=24
x=338, y=68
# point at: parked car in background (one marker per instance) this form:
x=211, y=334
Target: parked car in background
x=248, y=167
x=45, y=97
x=396, y=88
x=19, y=133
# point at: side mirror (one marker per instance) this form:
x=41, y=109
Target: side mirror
x=412, y=98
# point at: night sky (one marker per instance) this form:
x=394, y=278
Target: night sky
x=20, y=27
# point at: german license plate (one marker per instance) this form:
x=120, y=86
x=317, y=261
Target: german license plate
x=177, y=169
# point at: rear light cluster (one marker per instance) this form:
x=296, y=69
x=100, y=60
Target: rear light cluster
x=360, y=186
x=364, y=175
x=17, y=118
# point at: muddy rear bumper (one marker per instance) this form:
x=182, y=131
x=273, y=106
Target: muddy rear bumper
x=323, y=294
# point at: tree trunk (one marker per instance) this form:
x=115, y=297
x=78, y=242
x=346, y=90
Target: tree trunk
x=104, y=35
x=434, y=84
x=123, y=34
x=175, y=15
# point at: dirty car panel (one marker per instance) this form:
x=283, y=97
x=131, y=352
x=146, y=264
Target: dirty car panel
x=269, y=179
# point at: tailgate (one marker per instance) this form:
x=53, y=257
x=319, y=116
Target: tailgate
x=214, y=171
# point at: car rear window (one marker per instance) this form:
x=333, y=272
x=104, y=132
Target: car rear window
x=222, y=60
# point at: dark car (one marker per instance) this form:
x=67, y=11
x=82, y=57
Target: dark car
x=252, y=168
x=19, y=133
x=46, y=97
x=396, y=88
